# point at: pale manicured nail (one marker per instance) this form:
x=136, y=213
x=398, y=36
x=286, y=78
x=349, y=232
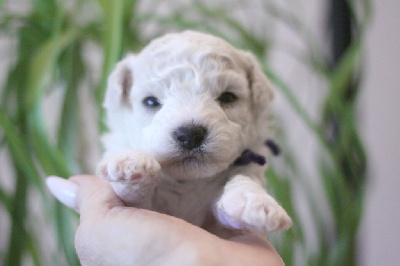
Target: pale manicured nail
x=63, y=189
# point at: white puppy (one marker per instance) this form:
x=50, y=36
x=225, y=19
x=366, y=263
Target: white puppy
x=180, y=114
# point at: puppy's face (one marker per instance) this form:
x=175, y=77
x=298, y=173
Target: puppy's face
x=191, y=100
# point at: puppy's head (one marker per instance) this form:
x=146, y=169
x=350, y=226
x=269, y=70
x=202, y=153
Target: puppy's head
x=191, y=100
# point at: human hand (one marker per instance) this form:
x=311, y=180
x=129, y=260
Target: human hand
x=110, y=233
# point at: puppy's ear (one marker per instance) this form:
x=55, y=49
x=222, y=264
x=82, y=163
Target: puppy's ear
x=259, y=84
x=120, y=84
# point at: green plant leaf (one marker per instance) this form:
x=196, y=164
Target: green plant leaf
x=5, y=199
x=344, y=71
x=16, y=246
x=19, y=151
x=42, y=65
x=68, y=126
x=113, y=14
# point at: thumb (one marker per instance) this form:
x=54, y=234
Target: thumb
x=88, y=195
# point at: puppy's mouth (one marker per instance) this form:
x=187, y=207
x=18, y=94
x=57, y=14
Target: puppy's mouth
x=183, y=157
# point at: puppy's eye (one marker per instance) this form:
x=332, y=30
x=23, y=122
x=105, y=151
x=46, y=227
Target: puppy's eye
x=151, y=102
x=227, y=97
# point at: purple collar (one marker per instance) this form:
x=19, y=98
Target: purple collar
x=249, y=156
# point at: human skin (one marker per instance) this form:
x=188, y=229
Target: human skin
x=109, y=233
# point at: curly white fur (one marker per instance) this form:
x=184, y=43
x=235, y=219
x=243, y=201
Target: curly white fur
x=188, y=72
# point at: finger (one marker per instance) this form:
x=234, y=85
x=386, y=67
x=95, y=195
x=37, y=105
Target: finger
x=88, y=195
x=94, y=196
x=63, y=189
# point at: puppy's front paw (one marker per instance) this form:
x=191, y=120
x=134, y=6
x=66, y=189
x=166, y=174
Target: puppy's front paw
x=245, y=205
x=130, y=167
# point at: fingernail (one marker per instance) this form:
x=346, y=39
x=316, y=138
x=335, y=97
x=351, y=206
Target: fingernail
x=63, y=189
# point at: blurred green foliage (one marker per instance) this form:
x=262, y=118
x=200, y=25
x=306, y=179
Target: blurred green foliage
x=51, y=38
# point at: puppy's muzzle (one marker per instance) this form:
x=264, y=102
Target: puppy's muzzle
x=190, y=137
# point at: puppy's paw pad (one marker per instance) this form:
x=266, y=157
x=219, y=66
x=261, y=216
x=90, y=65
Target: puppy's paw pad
x=276, y=218
x=255, y=211
x=128, y=167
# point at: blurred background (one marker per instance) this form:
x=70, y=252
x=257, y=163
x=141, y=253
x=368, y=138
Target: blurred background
x=334, y=65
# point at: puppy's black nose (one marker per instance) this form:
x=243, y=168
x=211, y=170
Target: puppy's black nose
x=190, y=137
